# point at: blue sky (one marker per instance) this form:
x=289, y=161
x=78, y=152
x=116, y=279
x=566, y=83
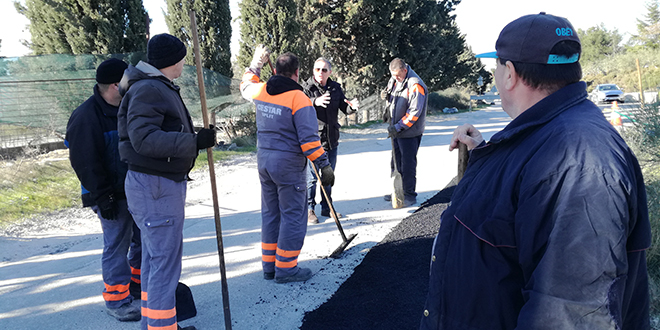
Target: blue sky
x=480, y=20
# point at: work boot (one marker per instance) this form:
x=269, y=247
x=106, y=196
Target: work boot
x=136, y=290
x=125, y=313
x=326, y=213
x=190, y=327
x=302, y=275
x=387, y=198
x=269, y=275
x=311, y=217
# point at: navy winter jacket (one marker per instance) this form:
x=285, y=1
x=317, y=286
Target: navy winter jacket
x=91, y=136
x=547, y=229
x=327, y=116
x=156, y=134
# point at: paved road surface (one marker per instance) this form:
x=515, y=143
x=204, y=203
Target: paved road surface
x=50, y=272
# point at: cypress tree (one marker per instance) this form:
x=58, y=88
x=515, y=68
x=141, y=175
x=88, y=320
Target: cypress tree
x=213, y=27
x=85, y=27
x=273, y=23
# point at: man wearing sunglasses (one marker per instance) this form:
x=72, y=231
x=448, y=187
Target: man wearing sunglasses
x=328, y=98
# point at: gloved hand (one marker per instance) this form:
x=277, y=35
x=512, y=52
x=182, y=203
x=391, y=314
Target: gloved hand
x=260, y=56
x=392, y=132
x=107, y=206
x=327, y=176
x=386, y=116
x=206, y=138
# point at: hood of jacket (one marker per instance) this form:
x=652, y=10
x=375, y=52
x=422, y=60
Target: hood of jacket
x=142, y=70
x=281, y=84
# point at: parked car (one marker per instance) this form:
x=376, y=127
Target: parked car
x=606, y=93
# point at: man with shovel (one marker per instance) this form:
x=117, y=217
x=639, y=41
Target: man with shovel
x=287, y=138
x=407, y=100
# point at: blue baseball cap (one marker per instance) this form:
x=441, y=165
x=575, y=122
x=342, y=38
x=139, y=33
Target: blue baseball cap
x=530, y=38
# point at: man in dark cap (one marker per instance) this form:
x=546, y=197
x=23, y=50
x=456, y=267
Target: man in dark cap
x=91, y=136
x=157, y=140
x=549, y=225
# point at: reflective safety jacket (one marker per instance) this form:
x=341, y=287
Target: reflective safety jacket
x=407, y=102
x=286, y=119
x=546, y=230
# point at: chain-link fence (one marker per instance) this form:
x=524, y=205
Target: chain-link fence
x=39, y=93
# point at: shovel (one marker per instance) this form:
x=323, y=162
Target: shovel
x=397, y=183
x=338, y=251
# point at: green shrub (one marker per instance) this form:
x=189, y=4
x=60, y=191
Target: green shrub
x=449, y=98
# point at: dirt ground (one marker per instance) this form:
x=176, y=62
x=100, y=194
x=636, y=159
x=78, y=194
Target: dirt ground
x=50, y=265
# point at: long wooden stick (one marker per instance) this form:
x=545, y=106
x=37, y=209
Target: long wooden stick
x=209, y=152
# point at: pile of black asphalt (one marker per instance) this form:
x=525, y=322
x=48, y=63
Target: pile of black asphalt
x=388, y=289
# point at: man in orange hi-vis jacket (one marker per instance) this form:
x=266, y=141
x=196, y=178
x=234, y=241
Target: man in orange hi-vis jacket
x=287, y=137
x=407, y=100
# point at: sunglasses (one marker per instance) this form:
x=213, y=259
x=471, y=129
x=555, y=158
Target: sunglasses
x=320, y=69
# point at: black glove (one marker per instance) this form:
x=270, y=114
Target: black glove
x=107, y=206
x=392, y=132
x=386, y=116
x=206, y=138
x=327, y=176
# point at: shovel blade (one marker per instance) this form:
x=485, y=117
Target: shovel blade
x=397, y=194
x=338, y=251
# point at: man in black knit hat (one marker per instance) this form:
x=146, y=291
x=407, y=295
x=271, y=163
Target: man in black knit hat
x=91, y=136
x=157, y=140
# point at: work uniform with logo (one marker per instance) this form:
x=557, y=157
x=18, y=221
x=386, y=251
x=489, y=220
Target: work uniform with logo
x=287, y=137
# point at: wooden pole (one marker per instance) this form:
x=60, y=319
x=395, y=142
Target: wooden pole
x=214, y=191
x=463, y=156
x=639, y=80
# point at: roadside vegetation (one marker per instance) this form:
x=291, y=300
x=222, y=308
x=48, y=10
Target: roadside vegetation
x=34, y=185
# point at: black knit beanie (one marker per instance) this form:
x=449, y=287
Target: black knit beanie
x=165, y=50
x=110, y=71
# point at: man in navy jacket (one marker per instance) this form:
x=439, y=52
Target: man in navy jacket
x=92, y=138
x=548, y=227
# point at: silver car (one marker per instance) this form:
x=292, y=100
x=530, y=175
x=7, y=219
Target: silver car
x=606, y=93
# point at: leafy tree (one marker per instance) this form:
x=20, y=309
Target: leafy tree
x=361, y=37
x=213, y=27
x=598, y=42
x=649, y=28
x=85, y=27
x=273, y=23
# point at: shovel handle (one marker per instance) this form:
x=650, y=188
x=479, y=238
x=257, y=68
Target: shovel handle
x=332, y=209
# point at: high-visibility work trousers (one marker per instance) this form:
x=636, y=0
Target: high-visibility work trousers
x=157, y=205
x=122, y=256
x=283, y=177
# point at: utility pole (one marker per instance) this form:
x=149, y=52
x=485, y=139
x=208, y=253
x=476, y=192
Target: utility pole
x=639, y=80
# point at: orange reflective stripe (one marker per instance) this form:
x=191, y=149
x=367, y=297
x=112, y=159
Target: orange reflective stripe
x=310, y=145
x=266, y=258
x=144, y=295
x=118, y=287
x=269, y=246
x=294, y=102
x=167, y=327
x=288, y=254
x=114, y=296
x=299, y=103
x=316, y=154
x=418, y=88
x=251, y=77
x=286, y=264
x=409, y=119
x=157, y=314
x=135, y=271
x=138, y=281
